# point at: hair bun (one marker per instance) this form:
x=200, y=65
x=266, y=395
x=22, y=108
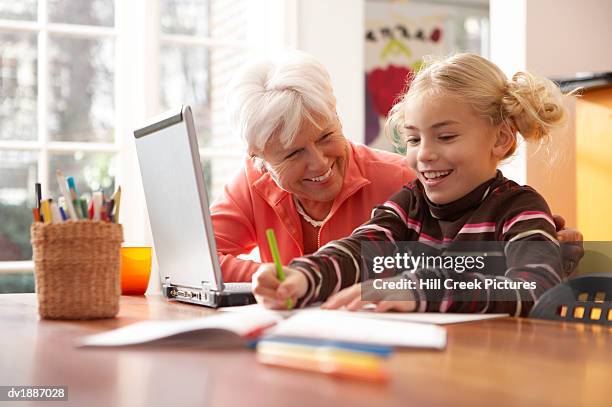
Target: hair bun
x=534, y=104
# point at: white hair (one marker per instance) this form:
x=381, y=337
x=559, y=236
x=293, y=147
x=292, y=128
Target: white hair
x=276, y=96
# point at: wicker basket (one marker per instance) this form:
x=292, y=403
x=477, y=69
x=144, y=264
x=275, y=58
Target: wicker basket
x=77, y=269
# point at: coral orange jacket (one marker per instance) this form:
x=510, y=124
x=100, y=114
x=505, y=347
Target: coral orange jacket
x=252, y=202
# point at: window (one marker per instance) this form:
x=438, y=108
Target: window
x=76, y=76
x=202, y=44
x=56, y=106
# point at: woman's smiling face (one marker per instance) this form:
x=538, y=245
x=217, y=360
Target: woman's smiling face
x=450, y=147
x=313, y=166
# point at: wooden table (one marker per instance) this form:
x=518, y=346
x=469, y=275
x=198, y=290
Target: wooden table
x=497, y=362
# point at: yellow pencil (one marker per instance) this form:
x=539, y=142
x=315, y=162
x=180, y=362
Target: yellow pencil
x=46, y=211
x=117, y=199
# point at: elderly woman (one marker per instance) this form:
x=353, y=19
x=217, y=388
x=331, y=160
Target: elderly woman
x=304, y=179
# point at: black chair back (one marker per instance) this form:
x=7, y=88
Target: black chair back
x=586, y=299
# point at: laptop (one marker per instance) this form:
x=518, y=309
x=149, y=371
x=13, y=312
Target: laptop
x=177, y=203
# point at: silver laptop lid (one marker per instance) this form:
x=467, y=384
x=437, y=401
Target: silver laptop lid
x=177, y=202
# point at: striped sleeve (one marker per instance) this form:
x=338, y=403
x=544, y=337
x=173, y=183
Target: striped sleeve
x=339, y=263
x=532, y=250
x=532, y=256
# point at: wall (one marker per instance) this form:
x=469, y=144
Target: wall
x=567, y=36
x=553, y=38
x=333, y=32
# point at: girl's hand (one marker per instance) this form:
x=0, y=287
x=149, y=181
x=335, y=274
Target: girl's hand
x=271, y=293
x=351, y=297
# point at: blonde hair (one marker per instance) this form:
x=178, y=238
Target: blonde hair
x=528, y=104
x=276, y=96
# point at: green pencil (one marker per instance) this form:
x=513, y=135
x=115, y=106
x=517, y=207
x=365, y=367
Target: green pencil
x=277, y=261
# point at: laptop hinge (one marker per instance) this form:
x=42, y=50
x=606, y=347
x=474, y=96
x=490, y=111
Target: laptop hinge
x=206, y=287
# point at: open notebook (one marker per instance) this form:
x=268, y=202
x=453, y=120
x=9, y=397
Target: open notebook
x=231, y=329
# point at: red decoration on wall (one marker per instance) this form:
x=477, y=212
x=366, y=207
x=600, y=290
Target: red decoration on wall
x=385, y=85
x=436, y=35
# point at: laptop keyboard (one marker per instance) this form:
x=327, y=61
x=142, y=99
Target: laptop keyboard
x=237, y=287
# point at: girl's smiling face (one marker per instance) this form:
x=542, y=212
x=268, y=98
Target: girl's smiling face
x=451, y=148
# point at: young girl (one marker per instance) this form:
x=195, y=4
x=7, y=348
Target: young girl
x=458, y=120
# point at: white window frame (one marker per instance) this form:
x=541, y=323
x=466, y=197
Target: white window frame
x=43, y=146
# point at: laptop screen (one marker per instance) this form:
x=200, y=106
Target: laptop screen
x=177, y=202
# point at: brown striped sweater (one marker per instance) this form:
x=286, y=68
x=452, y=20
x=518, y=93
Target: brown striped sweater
x=499, y=210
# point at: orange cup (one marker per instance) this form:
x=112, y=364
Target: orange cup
x=135, y=270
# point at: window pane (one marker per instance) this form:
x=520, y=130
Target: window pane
x=228, y=19
x=189, y=17
x=223, y=65
x=185, y=80
x=81, y=106
x=199, y=76
x=85, y=12
x=91, y=171
x=221, y=19
x=18, y=10
x=16, y=283
x=18, y=173
x=18, y=86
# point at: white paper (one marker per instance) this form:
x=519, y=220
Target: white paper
x=420, y=317
x=346, y=327
x=237, y=324
x=424, y=317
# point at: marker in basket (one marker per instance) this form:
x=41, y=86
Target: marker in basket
x=83, y=203
x=36, y=214
x=107, y=213
x=277, y=261
x=75, y=198
x=38, y=189
x=63, y=214
x=96, y=200
x=117, y=199
x=46, y=211
x=61, y=181
x=56, y=216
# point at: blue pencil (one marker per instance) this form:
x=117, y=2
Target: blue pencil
x=379, y=350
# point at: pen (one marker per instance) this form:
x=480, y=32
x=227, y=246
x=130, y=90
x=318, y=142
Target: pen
x=97, y=199
x=108, y=210
x=38, y=189
x=55, y=212
x=117, y=199
x=277, y=262
x=61, y=181
x=72, y=187
x=75, y=198
x=83, y=203
x=90, y=211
